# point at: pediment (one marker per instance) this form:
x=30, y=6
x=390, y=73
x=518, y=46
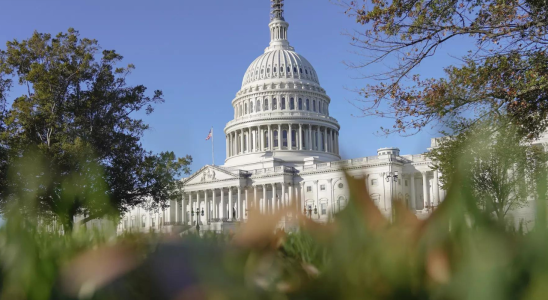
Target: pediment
x=210, y=174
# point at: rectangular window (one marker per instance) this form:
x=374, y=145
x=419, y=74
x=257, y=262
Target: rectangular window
x=374, y=181
x=324, y=208
x=309, y=189
x=406, y=183
x=322, y=187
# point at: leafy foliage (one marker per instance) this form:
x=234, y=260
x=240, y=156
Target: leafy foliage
x=504, y=73
x=78, y=115
x=502, y=167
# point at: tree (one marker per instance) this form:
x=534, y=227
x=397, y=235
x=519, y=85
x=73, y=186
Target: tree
x=76, y=121
x=501, y=167
x=505, y=71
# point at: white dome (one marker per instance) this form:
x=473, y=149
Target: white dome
x=278, y=64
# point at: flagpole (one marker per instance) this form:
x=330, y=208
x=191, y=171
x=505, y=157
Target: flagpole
x=212, y=146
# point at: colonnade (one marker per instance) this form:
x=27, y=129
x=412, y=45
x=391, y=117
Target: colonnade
x=286, y=136
x=235, y=206
x=428, y=202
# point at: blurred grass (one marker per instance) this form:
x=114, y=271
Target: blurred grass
x=459, y=252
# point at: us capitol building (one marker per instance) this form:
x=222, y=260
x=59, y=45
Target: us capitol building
x=282, y=148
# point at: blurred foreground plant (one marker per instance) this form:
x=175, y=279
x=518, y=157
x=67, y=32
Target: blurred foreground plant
x=459, y=252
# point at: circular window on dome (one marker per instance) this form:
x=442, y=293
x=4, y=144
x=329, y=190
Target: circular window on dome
x=341, y=185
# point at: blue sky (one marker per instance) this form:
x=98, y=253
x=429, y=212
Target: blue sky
x=196, y=52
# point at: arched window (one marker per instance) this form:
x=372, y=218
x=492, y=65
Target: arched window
x=306, y=71
x=284, y=138
x=251, y=107
x=266, y=139
x=241, y=110
x=275, y=138
x=274, y=69
x=301, y=70
x=303, y=140
x=262, y=71
x=314, y=105
x=293, y=138
x=288, y=70
x=258, y=105
x=307, y=104
x=283, y=102
x=300, y=104
x=268, y=70
x=294, y=69
x=320, y=106
x=245, y=108
x=265, y=104
x=292, y=104
x=274, y=104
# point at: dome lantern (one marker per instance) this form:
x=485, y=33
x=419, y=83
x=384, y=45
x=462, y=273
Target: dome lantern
x=278, y=28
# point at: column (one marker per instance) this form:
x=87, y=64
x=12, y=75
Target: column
x=191, y=206
x=229, y=210
x=212, y=206
x=310, y=137
x=425, y=189
x=282, y=200
x=270, y=139
x=198, y=204
x=263, y=140
x=315, y=139
x=241, y=135
x=207, y=206
x=185, y=201
x=413, y=201
x=331, y=140
x=300, y=137
x=233, y=146
x=436, y=188
x=274, y=200
x=255, y=202
x=239, y=211
x=263, y=201
x=222, y=205
x=280, y=139
x=337, y=142
x=289, y=138
x=326, y=149
x=290, y=199
x=176, y=211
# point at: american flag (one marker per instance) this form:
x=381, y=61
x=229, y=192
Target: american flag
x=210, y=135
